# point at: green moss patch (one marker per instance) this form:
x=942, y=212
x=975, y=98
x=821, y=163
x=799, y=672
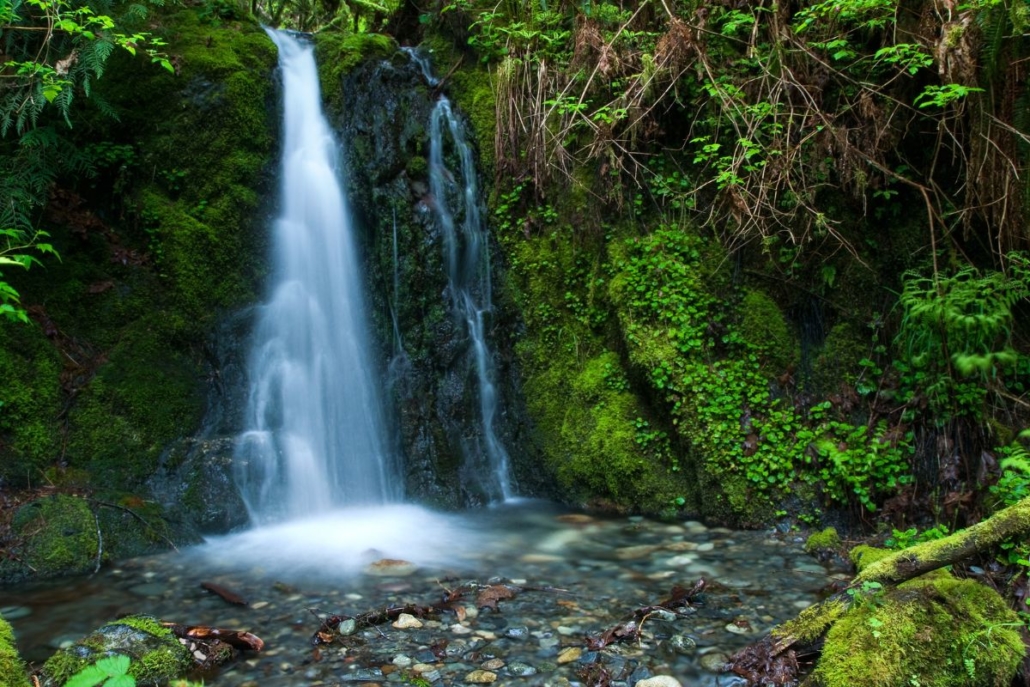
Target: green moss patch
x=12, y=670
x=156, y=654
x=940, y=631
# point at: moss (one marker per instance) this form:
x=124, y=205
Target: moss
x=837, y=361
x=129, y=306
x=60, y=535
x=828, y=539
x=939, y=631
x=136, y=405
x=156, y=654
x=417, y=168
x=864, y=555
x=12, y=670
x=763, y=326
x=811, y=623
x=339, y=52
x=30, y=389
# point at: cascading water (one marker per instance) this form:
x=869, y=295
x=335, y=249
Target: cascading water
x=315, y=426
x=469, y=281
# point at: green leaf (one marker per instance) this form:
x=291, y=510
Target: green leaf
x=121, y=681
x=90, y=676
x=114, y=665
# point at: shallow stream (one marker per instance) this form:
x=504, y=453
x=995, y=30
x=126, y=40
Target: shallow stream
x=607, y=567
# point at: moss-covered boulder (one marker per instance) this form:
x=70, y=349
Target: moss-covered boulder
x=826, y=540
x=937, y=631
x=157, y=655
x=66, y=535
x=12, y=670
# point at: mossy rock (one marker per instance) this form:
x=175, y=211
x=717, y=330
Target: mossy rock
x=827, y=540
x=58, y=535
x=12, y=670
x=764, y=327
x=936, y=631
x=157, y=655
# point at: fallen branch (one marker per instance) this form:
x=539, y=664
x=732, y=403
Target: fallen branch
x=629, y=630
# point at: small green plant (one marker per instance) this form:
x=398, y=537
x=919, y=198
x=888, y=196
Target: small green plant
x=107, y=672
x=902, y=539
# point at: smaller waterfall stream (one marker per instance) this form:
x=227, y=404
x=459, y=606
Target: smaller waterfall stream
x=456, y=206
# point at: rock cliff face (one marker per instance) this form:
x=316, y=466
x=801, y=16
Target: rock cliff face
x=383, y=118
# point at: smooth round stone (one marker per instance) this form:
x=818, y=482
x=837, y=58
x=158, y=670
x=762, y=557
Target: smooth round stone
x=516, y=632
x=678, y=546
x=15, y=612
x=659, y=681
x=481, y=677
x=549, y=642
x=258, y=605
x=347, y=627
x=681, y=560
x=149, y=589
x=63, y=641
x=390, y=567
x=569, y=655
x=662, y=614
x=802, y=604
x=402, y=661
x=459, y=629
x=632, y=553
x=682, y=644
x=406, y=621
x=566, y=631
x=492, y=664
x=714, y=661
x=706, y=547
x=805, y=567
x=701, y=569
x=520, y=669
x=735, y=582
x=737, y=629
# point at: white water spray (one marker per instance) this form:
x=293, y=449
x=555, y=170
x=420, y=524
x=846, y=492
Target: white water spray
x=315, y=424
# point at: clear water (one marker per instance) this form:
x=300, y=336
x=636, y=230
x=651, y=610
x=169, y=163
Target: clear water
x=315, y=423
x=607, y=567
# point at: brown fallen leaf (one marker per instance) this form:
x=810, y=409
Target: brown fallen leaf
x=489, y=596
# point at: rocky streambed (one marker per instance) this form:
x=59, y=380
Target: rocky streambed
x=574, y=577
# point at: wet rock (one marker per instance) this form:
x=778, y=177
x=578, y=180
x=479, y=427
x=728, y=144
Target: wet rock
x=659, y=681
x=493, y=664
x=682, y=644
x=520, y=669
x=347, y=627
x=517, y=632
x=406, y=621
x=481, y=677
x=390, y=567
x=569, y=655
x=714, y=661
x=632, y=553
x=15, y=612
x=363, y=675
x=157, y=656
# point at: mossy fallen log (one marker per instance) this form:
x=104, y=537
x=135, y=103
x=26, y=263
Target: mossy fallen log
x=775, y=656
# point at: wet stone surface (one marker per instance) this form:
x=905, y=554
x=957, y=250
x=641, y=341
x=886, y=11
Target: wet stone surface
x=607, y=568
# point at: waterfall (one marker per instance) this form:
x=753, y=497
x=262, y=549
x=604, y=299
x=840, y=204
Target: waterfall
x=315, y=428
x=456, y=205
